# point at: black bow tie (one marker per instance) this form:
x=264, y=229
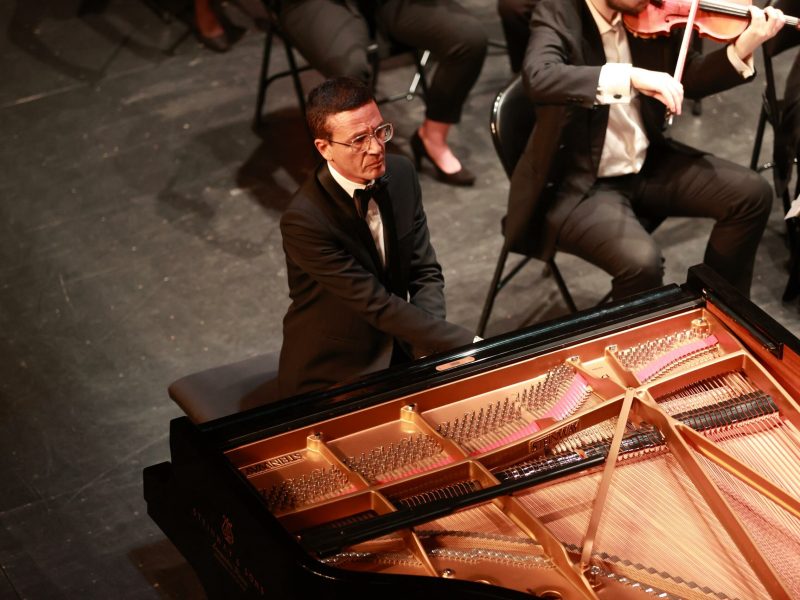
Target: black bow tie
x=364, y=195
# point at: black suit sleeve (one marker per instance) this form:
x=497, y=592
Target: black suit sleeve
x=426, y=282
x=549, y=71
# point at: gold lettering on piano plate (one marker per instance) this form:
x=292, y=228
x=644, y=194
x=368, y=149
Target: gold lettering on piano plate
x=540, y=446
x=270, y=464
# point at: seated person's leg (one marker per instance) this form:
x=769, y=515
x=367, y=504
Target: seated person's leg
x=738, y=199
x=458, y=42
x=456, y=39
x=604, y=231
x=515, y=17
x=330, y=37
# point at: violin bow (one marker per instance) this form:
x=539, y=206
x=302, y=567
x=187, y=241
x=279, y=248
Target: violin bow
x=687, y=38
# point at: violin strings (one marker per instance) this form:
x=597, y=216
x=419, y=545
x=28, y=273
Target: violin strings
x=717, y=6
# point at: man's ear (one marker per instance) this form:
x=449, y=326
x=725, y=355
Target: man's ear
x=324, y=148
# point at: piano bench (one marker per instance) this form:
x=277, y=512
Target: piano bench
x=228, y=389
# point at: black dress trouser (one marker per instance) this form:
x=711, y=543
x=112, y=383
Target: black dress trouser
x=333, y=37
x=605, y=229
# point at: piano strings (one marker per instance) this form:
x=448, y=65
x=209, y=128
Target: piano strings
x=465, y=493
x=658, y=357
x=639, y=536
x=556, y=394
x=559, y=393
x=638, y=541
x=395, y=460
x=317, y=486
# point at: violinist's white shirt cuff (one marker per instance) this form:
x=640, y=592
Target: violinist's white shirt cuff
x=745, y=69
x=614, y=85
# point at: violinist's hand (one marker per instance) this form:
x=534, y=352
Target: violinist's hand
x=764, y=24
x=659, y=85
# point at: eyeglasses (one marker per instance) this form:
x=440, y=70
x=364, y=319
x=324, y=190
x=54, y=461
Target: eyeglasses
x=382, y=133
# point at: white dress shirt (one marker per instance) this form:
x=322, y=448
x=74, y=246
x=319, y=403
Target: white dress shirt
x=373, y=216
x=625, y=146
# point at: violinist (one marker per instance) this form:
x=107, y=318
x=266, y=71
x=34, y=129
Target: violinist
x=599, y=161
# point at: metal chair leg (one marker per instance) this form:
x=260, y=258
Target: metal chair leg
x=792, y=290
x=762, y=123
x=265, y=80
x=419, y=76
x=262, y=77
x=295, y=72
x=373, y=58
x=494, y=287
x=562, y=286
x=420, y=62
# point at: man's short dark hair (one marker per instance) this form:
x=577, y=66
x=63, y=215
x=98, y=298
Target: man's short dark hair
x=331, y=97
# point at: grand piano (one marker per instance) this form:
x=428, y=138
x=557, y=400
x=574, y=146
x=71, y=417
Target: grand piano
x=643, y=449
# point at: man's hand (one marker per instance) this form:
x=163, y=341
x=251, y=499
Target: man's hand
x=661, y=86
x=764, y=24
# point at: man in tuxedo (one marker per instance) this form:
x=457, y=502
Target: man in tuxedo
x=365, y=285
x=598, y=159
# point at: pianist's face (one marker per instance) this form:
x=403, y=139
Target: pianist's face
x=359, y=166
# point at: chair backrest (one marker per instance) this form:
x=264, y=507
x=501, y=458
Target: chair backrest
x=511, y=123
x=770, y=49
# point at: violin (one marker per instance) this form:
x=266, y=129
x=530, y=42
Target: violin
x=719, y=20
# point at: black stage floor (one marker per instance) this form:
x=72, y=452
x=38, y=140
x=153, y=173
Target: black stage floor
x=140, y=243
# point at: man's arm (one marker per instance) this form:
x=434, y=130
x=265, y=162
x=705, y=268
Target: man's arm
x=727, y=67
x=547, y=73
x=425, y=279
x=764, y=24
x=550, y=78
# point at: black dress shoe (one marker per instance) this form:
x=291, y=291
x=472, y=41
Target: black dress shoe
x=461, y=177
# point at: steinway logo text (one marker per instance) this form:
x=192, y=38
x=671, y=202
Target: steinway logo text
x=270, y=464
x=540, y=446
x=222, y=549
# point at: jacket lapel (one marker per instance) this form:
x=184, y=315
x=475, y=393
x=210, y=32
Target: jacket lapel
x=592, y=43
x=341, y=209
x=389, y=234
x=595, y=56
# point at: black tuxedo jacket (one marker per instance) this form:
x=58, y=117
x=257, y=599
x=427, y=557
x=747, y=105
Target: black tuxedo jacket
x=561, y=71
x=346, y=310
